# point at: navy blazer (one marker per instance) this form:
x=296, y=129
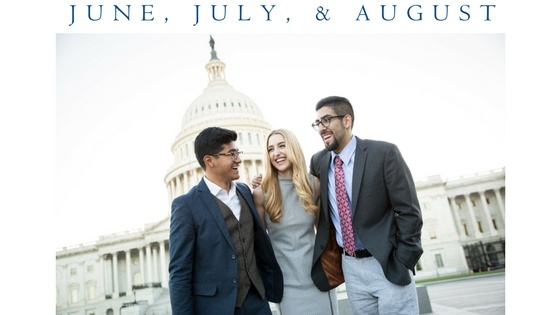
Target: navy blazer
x=203, y=263
x=385, y=209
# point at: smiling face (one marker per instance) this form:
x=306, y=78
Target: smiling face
x=278, y=156
x=338, y=132
x=221, y=169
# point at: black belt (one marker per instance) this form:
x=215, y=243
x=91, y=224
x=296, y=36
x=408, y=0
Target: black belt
x=359, y=253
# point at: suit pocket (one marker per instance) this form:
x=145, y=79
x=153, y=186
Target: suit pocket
x=396, y=271
x=204, y=289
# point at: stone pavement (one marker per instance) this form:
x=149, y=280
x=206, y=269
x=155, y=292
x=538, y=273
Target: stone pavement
x=481, y=295
x=344, y=309
x=446, y=310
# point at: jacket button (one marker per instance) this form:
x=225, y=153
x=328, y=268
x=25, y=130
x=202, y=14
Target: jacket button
x=234, y=281
x=232, y=256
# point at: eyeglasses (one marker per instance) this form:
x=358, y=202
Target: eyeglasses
x=233, y=155
x=325, y=121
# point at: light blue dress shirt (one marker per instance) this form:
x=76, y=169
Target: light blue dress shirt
x=347, y=155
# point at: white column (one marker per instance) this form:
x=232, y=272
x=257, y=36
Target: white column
x=128, y=273
x=115, y=277
x=180, y=184
x=245, y=172
x=163, y=264
x=500, y=203
x=155, y=273
x=84, y=287
x=254, y=167
x=141, y=258
x=198, y=173
x=103, y=275
x=473, y=217
x=457, y=218
x=169, y=194
x=177, y=185
x=173, y=188
x=188, y=178
x=149, y=264
x=493, y=231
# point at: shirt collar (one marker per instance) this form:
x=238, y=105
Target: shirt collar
x=215, y=189
x=347, y=154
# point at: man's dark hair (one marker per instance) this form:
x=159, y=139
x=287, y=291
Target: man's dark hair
x=340, y=105
x=211, y=141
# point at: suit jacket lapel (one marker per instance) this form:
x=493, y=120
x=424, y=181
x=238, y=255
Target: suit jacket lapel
x=324, y=179
x=214, y=210
x=359, y=165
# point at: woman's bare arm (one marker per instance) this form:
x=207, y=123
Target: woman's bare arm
x=258, y=198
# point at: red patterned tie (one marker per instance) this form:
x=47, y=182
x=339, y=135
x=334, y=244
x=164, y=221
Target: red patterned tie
x=343, y=208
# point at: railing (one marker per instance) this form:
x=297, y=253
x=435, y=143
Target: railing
x=136, y=287
x=129, y=304
x=147, y=285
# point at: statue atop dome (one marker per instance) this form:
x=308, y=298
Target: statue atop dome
x=213, y=53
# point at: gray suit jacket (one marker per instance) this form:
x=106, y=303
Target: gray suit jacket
x=385, y=210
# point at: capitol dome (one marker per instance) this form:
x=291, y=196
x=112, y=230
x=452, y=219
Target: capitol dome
x=222, y=106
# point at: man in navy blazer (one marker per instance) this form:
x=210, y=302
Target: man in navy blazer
x=221, y=259
x=384, y=209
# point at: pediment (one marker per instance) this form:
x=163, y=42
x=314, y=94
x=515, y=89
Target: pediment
x=159, y=226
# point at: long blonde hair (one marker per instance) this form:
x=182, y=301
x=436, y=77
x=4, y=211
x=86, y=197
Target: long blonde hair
x=271, y=186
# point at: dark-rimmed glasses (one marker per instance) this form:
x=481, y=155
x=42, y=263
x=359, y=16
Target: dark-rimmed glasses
x=325, y=121
x=233, y=154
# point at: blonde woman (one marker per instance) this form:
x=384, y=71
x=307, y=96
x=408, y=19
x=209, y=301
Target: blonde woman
x=287, y=205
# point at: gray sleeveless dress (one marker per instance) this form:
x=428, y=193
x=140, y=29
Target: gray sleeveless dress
x=293, y=240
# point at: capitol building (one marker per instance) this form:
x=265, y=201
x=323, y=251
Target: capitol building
x=127, y=273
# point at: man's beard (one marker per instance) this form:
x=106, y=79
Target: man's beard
x=334, y=144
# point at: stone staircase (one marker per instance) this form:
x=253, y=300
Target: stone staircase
x=161, y=305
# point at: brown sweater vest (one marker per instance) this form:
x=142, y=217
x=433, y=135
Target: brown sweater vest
x=242, y=235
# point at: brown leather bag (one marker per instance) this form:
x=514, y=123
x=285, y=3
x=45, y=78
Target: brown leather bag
x=331, y=260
